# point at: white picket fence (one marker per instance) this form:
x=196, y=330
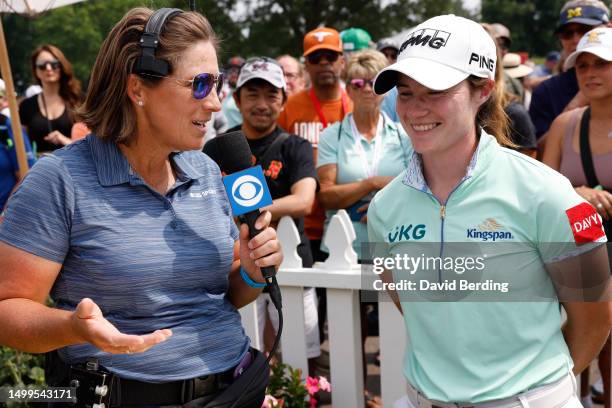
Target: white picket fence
x=341, y=276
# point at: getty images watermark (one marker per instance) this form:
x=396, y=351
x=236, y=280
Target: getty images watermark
x=486, y=271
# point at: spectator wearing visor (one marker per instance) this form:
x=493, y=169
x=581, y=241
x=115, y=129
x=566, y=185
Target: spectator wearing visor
x=473, y=347
x=560, y=93
x=288, y=165
x=580, y=147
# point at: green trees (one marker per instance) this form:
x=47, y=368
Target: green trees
x=532, y=23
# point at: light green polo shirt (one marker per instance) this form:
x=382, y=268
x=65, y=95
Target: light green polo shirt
x=478, y=351
x=337, y=145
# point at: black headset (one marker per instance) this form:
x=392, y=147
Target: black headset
x=147, y=63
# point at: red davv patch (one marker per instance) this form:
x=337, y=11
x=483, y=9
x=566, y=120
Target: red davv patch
x=586, y=223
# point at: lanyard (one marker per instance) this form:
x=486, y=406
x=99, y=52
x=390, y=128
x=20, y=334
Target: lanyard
x=370, y=170
x=317, y=105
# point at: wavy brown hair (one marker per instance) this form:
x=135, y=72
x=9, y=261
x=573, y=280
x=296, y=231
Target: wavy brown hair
x=70, y=87
x=107, y=110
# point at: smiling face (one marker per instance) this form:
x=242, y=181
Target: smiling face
x=48, y=69
x=170, y=115
x=437, y=121
x=260, y=104
x=594, y=76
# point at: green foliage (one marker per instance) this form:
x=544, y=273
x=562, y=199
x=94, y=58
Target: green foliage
x=286, y=384
x=20, y=369
x=532, y=23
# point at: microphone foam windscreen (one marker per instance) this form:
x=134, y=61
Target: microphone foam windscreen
x=232, y=151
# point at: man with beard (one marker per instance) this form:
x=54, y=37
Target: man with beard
x=308, y=112
x=288, y=166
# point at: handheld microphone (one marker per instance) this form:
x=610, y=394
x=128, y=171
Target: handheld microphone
x=246, y=189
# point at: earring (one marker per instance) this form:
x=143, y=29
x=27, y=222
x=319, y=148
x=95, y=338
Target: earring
x=140, y=103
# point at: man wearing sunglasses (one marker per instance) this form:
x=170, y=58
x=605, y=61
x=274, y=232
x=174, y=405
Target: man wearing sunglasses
x=308, y=112
x=560, y=93
x=288, y=166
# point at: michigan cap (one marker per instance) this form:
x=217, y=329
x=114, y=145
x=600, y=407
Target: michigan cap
x=440, y=53
x=590, y=13
x=262, y=68
x=597, y=41
x=322, y=38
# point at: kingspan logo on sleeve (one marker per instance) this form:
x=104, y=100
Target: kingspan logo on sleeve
x=407, y=232
x=489, y=230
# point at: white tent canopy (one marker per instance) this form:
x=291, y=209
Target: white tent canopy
x=30, y=7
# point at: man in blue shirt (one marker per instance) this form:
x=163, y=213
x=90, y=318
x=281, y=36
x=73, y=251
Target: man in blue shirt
x=560, y=93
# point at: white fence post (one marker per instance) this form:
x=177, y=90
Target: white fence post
x=392, y=333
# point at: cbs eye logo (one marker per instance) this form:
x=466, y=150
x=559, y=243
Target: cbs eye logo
x=247, y=190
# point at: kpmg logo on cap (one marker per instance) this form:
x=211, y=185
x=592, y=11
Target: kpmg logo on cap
x=247, y=190
x=427, y=36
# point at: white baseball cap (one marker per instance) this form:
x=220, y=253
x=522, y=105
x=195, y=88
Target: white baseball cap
x=440, y=53
x=597, y=41
x=262, y=68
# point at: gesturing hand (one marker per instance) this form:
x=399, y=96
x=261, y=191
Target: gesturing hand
x=93, y=328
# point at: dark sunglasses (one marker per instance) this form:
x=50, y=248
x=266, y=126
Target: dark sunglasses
x=317, y=56
x=201, y=85
x=55, y=64
x=568, y=34
x=359, y=83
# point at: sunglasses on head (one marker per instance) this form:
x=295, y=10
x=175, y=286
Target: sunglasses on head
x=54, y=64
x=359, y=83
x=201, y=85
x=317, y=56
x=568, y=34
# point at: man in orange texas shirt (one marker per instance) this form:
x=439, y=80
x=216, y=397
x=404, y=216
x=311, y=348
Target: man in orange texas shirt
x=310, y=111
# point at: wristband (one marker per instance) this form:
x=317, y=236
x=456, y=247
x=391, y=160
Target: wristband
x=598, y=187
x=249, y=281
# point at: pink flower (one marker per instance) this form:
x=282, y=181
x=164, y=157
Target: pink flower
x=313, y=402
x=312, y=385
x=324, y=384
x=270, y=402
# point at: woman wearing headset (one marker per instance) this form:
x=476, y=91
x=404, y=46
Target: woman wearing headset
x=130, y=231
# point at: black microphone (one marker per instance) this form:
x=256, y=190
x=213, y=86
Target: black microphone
x=232, y=153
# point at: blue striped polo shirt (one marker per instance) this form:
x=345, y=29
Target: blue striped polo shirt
x=150, y=261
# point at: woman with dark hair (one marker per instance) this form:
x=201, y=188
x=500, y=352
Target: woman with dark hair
x=48, y=117
x=131, y=233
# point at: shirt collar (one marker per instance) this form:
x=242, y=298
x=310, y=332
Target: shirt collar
x=113, y=168
x=414, y=173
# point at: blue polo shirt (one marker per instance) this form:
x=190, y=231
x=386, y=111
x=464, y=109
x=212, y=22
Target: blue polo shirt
x=150, y=261
x=550, y=98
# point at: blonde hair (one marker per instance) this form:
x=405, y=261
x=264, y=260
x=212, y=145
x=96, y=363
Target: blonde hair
x=107, y=110
x=365, y=63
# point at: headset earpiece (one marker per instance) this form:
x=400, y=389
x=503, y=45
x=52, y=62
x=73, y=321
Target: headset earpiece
x=147, y=63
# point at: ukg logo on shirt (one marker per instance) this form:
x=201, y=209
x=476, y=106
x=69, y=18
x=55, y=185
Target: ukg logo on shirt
x=407, y=232
x=489, y=230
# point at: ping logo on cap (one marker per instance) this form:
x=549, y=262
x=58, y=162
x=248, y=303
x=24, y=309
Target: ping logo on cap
x=431, y=37
x=575, y=12
x=247, y=190
x=482, y=61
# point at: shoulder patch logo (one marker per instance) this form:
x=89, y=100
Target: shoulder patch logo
x=586, y=223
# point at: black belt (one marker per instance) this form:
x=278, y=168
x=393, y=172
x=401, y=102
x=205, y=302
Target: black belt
x=133, y=392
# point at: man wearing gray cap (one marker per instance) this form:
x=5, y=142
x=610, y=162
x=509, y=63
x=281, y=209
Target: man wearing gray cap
x=288, y=165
